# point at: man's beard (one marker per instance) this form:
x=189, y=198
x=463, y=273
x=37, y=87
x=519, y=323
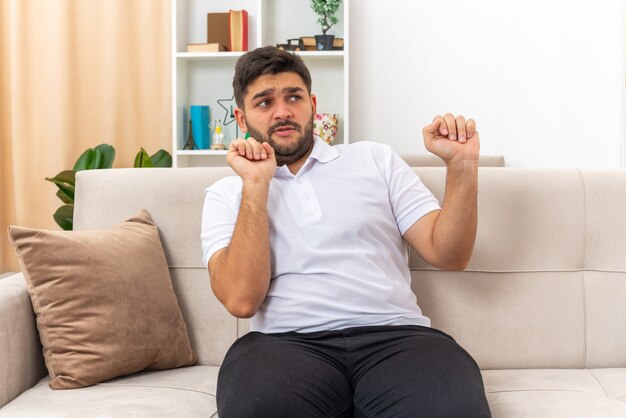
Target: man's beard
x=287, y=154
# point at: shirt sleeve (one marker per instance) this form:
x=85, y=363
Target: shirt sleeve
x=410, y=199
x=219, y=216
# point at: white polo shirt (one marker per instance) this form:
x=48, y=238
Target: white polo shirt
x=338, y=258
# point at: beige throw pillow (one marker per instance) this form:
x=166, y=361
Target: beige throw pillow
x=104, y=301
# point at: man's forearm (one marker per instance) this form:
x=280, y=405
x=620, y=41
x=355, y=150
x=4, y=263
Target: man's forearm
x=455, y=230
x=242, y=274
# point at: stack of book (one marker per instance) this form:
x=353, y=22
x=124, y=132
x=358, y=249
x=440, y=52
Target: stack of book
x=225, y=32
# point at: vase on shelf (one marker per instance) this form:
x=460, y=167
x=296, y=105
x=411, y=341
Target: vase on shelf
x=324, y=42
x=218, y=136
x=325, y=126
x=200, y=119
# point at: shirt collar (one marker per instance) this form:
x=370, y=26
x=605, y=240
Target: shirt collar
x=322, y=152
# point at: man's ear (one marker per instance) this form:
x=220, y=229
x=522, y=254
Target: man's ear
x=314, y=103
x=241, y=119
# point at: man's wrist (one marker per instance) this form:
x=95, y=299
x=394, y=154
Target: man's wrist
x=256, y=186
x=462, y=163
x=257, y=181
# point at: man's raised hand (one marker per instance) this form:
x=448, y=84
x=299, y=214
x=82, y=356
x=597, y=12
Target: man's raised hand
x=452, y=138
x=251, y=159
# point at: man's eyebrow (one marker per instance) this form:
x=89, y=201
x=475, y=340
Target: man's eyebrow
x=263, y=93
x=269, y=91
x=292, y=89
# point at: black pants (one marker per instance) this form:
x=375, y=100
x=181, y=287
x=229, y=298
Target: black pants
x=385, y=371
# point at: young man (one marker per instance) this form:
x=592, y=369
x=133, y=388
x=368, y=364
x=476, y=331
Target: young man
x=309, y=241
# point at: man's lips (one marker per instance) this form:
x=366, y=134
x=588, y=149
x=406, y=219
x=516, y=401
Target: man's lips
x=284, y=130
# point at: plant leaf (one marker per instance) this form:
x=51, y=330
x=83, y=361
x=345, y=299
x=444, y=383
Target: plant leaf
x=64, y=217
x=101, y=156
x=65, y=198
x=65, y=181
x=161, y=158
x=65, y=177
x=142, y=160
x=67, y=191
x=85, y=160
x=108, y=155
x=97, y=160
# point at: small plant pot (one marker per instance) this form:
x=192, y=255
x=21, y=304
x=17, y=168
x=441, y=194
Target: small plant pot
x=324, y=42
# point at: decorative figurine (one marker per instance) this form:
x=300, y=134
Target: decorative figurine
x=191, y=144
x=218, y=136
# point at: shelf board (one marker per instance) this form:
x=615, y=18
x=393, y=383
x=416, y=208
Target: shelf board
x=320, y=54
x=201, y=56
x=201, y=152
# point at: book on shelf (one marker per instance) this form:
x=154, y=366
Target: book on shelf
x=212, y=47
x=238, y=29
x=218, y=29
x=310, y=44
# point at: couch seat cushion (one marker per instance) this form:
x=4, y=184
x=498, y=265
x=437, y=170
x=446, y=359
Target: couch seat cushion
x=186, y=392
x=190, y=392
x=553, y=393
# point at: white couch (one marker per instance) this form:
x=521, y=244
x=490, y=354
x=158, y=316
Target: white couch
x=541, y=307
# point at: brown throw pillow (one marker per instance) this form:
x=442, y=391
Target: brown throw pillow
x=104, y=301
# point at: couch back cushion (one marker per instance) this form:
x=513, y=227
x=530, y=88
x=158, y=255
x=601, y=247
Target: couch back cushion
x=547, y=280
x=430, y=160
x=545, y=286
x=174, y=198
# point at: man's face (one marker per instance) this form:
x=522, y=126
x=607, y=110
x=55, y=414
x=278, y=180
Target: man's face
x=279, y=110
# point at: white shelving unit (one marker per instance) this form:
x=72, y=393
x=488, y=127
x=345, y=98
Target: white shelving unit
x=205, y=78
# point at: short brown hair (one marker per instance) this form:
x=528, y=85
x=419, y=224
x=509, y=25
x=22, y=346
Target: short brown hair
x=266, y=60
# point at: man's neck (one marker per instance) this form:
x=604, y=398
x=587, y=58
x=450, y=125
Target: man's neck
x=297, y=165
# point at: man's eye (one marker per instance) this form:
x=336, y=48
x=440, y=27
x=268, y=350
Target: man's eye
x=294, y=98
x=264, y=103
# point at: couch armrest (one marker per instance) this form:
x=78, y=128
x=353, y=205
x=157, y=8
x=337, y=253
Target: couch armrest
x=21, y=359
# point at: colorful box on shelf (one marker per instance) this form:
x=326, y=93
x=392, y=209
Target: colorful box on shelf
x=325, y=126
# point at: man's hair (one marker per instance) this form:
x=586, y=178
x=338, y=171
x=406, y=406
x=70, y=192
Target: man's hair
x=266, y=60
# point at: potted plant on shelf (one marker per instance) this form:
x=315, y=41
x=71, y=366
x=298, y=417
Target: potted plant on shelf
x=326, y=11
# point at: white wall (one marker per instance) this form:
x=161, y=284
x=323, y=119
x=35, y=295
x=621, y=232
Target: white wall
x=544, y=79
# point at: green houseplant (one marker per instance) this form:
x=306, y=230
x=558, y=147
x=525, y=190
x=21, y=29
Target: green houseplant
x=326, y=11
x=96, y=158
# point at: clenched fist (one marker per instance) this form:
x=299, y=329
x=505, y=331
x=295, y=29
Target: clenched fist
x=251, y=159
x=452, y=138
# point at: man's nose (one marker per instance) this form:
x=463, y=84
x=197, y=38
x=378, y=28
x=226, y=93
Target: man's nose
x=282, y=111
